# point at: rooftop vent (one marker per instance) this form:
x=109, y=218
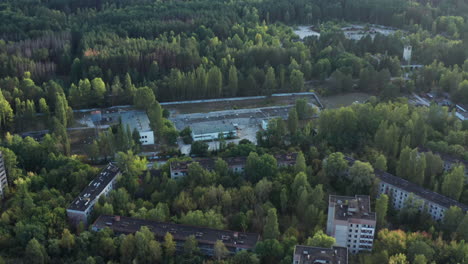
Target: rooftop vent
x=117, y=218
x=306, y=252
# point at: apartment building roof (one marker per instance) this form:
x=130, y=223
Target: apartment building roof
x=313, y=255
x=94, y=188
x=204, y=235
x=408, y=186
x=347, y=207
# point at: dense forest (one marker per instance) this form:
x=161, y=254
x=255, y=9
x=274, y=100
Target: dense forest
x=57, y=56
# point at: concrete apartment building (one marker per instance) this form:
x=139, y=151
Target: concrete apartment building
x=3, y=176
x=206, y=237
x=317, y=255
x=236, y=164
x=80, y=209
x=399, y=190
x=351, y=222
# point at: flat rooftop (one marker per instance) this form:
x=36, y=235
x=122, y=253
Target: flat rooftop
x=347, y=207
x=408, y=186
x=94, y=188
x=314, y=255
x=204, y=235
x=136, y=120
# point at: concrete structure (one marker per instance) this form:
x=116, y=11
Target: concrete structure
x=461, y=112
x=400, y=190
x=235, y=164
x=3, y=176
x=351, y=222
x=80, y=209
x=206, y=237
x=139, y=120
x=315, y=255
x=212, y=131
x=407, y=50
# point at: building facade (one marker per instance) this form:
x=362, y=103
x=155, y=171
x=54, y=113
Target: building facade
x=80, y=209
x=317, y=255
x=3, y=176
x=401, y=191
x=351, y=222
x=206, y=237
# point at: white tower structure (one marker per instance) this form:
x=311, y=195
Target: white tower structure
x=407, y=53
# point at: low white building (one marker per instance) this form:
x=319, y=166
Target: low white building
x=139, y=120
x=80, y=209
x=212, y=131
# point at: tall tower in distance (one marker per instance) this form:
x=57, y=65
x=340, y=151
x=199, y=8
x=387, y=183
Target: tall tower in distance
x=3, y=176
x=407, y=53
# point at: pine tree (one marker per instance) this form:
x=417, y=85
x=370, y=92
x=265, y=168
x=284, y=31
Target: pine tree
x=293, y=121
x=214, y=82
x=61, y=109
x=381, y=208
x=129, y=88
x=453, y=183
x=271, y=229
x=270, y=81
x=6, y=113
x=297, y=80
x=233, y=81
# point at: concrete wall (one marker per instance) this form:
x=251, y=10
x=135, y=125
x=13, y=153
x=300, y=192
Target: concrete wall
x=330, y=221
x=147, y=138
x=341, y=235
x=75, y=217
